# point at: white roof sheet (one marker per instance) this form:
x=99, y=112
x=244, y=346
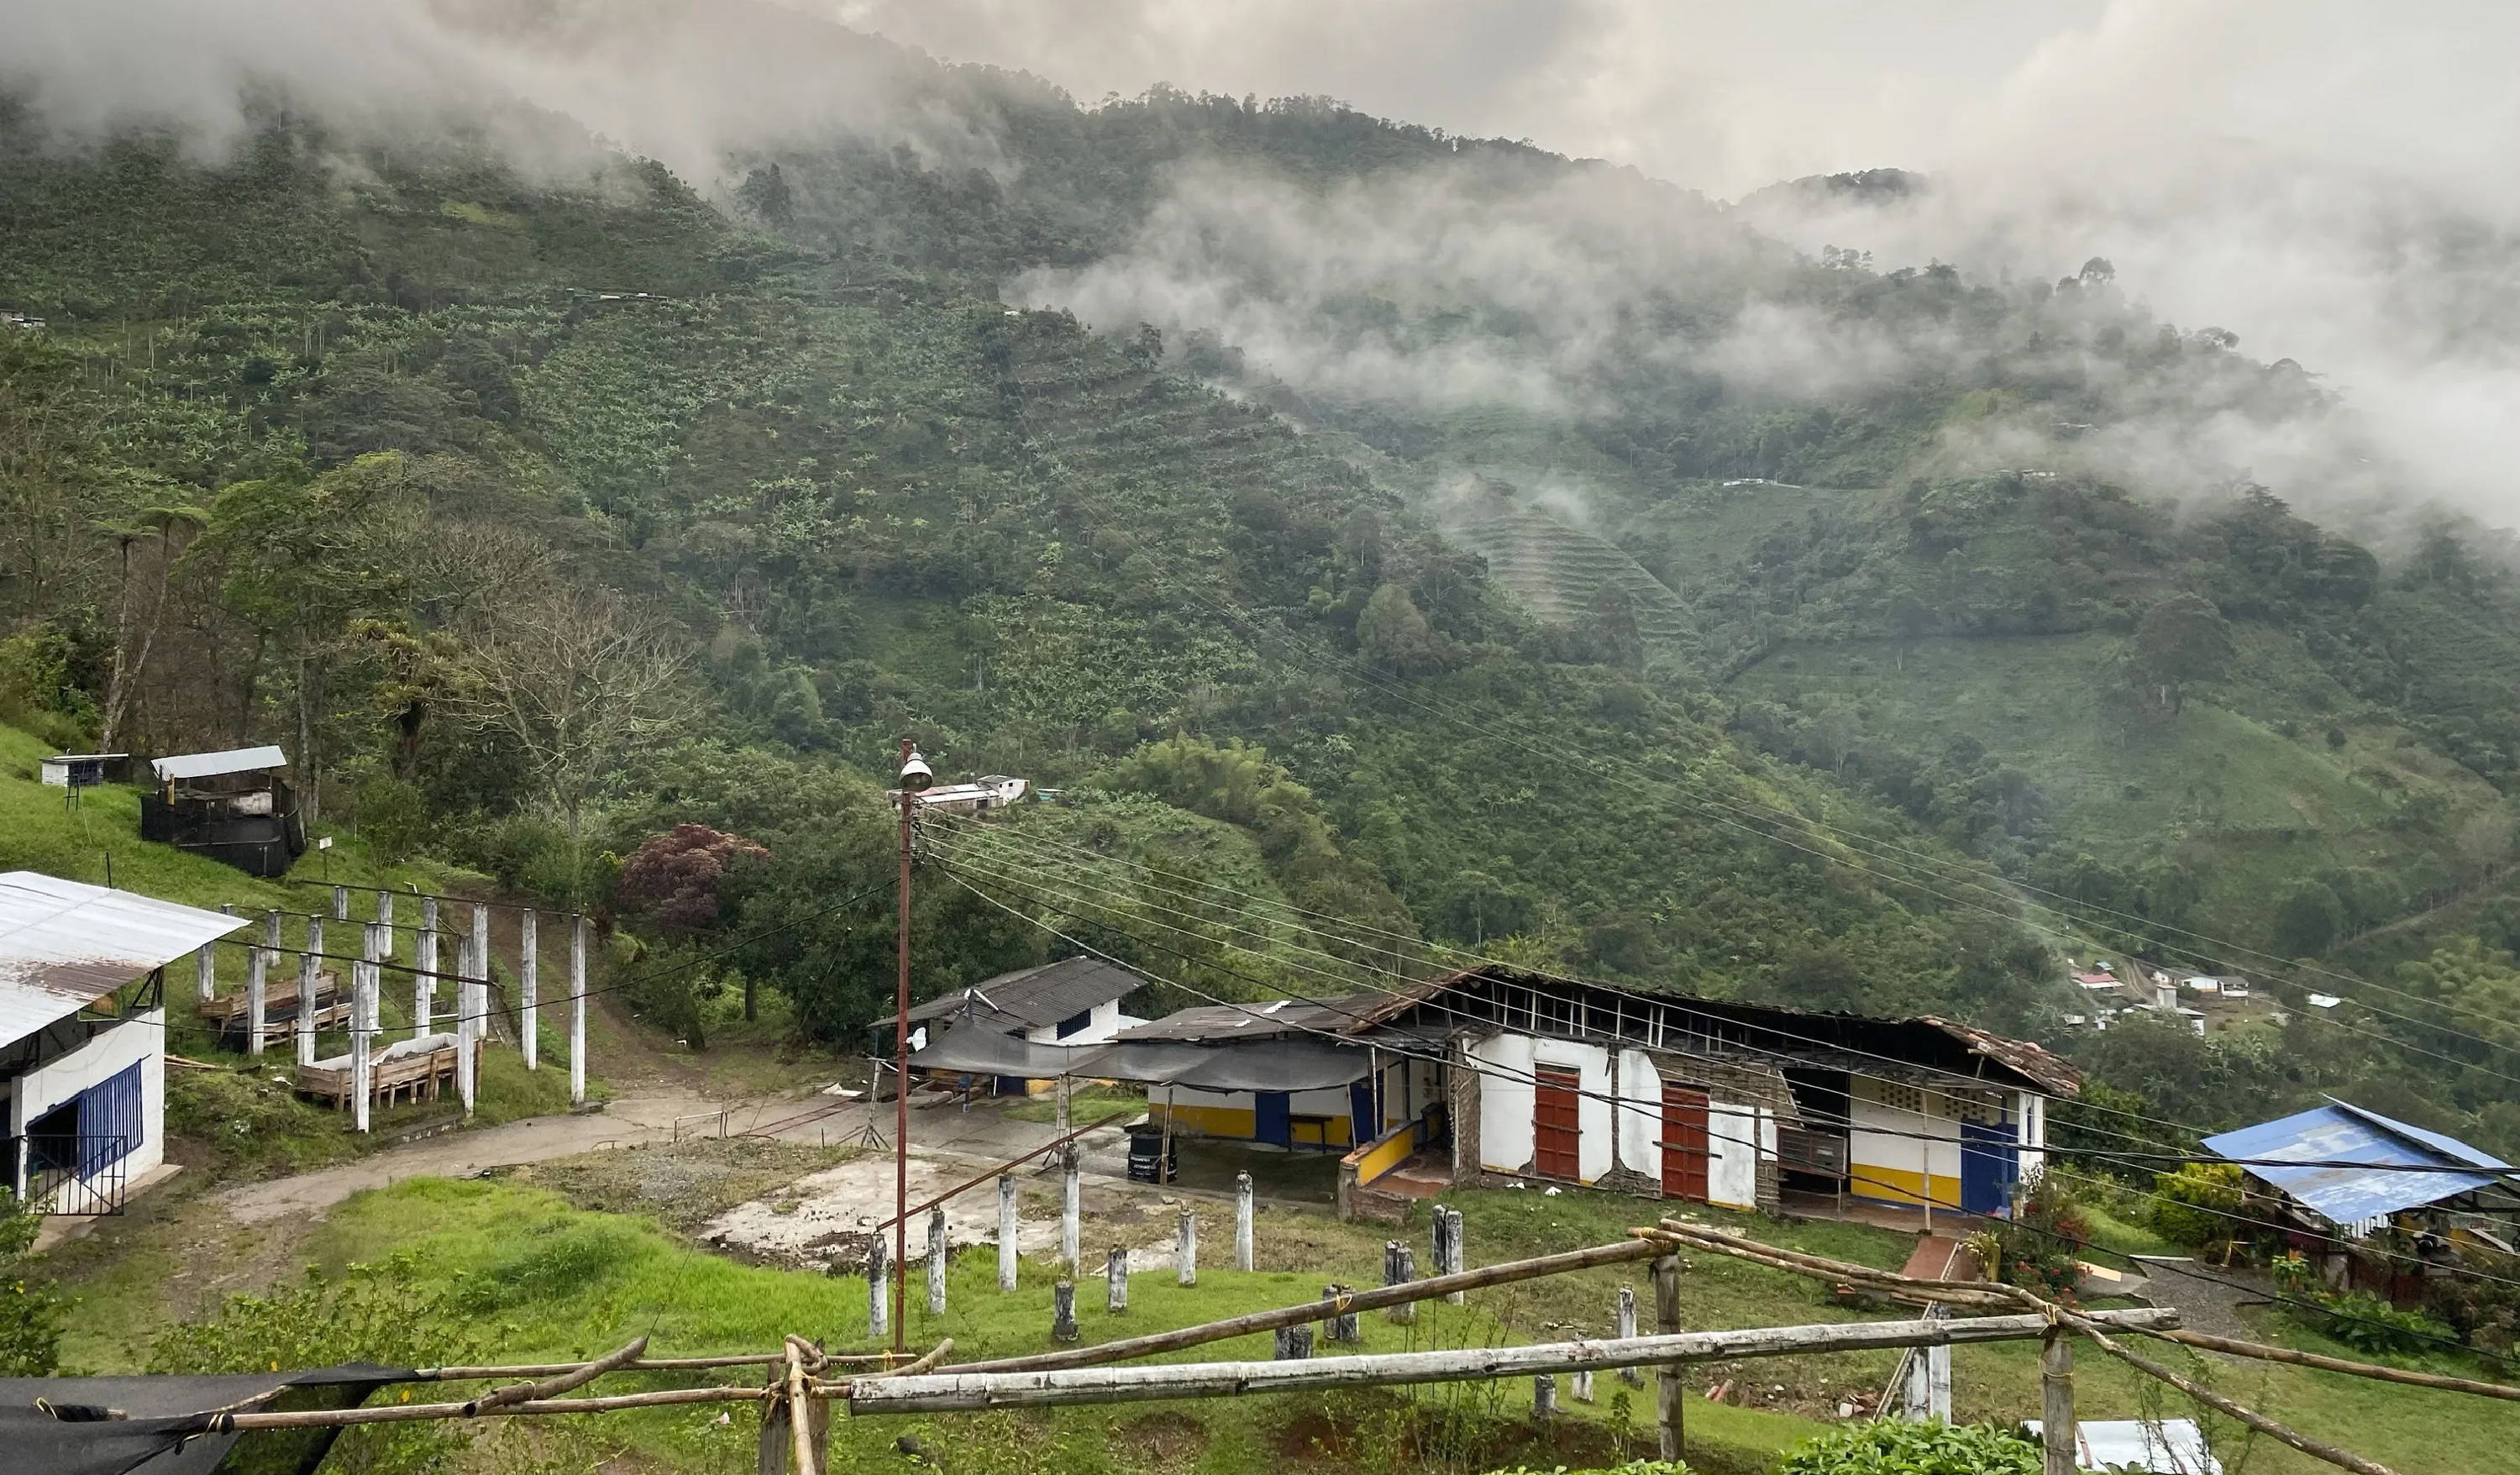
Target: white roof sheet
x=235, y=760
x=2158, y=1447
x=64, y=944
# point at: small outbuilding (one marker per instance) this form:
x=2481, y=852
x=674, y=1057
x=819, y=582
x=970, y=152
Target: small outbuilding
x=83, y=1035
x=1066, y=1004
x=2363, y=1174
x=233, y=806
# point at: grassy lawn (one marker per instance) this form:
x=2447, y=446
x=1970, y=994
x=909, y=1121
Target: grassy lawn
x=1094, y=1103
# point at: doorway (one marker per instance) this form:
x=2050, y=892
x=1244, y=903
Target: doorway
x=1557, y=1123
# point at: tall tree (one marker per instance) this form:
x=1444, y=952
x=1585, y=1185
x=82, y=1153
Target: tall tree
x=578, y=681
x=2180, y=641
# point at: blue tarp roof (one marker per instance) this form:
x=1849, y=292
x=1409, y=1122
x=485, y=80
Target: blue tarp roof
x=2341, y=1132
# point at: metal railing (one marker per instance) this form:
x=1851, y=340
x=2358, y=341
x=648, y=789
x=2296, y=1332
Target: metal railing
x=77, y=1175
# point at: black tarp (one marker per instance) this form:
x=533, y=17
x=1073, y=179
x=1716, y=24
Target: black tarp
x=149, y=1424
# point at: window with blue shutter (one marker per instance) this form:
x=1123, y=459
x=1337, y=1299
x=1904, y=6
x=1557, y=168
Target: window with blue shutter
x=108, y=1121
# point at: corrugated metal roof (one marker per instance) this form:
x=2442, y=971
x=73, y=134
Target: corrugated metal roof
x=2030, y=1063
x=64, y=944
x=2338, y=1133
x=1038, y=996
x=235, y=760
x=1263, y=1019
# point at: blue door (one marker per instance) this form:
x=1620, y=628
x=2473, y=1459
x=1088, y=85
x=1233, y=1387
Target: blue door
x=108, y=1121
x=1269, y=1122
x=1988, y=1167
x=1362, y=1123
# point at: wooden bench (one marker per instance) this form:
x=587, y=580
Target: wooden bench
x=396, y=1073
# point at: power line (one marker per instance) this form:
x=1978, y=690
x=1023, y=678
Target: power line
x=1486, y=1070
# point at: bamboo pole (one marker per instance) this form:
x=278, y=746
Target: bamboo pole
x=574, y=1377
x=2264, y=1353
x=1671, y=1403
x=1618, y=1252
x=799, y=1432
x=959, y=1389
x=454, y=1375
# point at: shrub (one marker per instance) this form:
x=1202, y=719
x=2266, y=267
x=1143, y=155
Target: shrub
x=1632, y=1467
x=2194, y=1206
x=1890, y=1447
x=2366, y=1322
x=30, y=1314
x=2041, y=1248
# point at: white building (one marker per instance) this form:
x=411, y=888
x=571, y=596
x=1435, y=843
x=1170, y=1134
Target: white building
x=1724, y=1103
x=83, y=1035
x=1074, y=1001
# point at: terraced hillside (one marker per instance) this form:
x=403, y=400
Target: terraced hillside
x=1565, y=575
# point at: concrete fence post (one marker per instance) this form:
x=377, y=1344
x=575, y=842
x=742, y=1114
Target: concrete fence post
x=1063, y=1312
x=1009, y=1255
x=878, y=1282
x=529, y=972
x=1399, y=1267
x=384, y=918
x=1580, y=1385
x=424, y=981
x=1242, y=1208
x=1627, y=1327
x=1294, y=1342
x=1185, y=1246
x=340, y=903
x=936, y=1261
x=1544, y=1399
x=310, y=967
x=467, y=1024
x=1071, y=1213
x=1115, y=1271
x=257, y=983
x=1343, y=1325
x=577, y=1009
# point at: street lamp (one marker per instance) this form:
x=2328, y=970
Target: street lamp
x=916, y=776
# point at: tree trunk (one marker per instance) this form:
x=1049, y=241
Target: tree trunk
x=310, y=778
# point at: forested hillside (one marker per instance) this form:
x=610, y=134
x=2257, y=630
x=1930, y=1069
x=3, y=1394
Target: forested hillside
x=1430, y=543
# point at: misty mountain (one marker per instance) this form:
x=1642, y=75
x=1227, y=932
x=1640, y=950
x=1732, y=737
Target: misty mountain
x=1464, y=542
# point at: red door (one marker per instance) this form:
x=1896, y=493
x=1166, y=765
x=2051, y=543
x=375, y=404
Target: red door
x=1684, y=1143
x=1557, y=1132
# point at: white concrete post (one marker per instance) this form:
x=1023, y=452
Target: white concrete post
x=480, y=972
x=1063, y=1312
x=363, y=1015
x=529, y=969
x=206, y=971
x=385, y=919
x=1008, y=1257
x=1457, y=1255
x=1343, y=1324
x=467, y=1023
x=1544, y=1398
x=1186, y=1247
x=257, y=983
x=577, y=1009
x=340, y=903
x=309, y=969
x=1242, y=1221
x=1071, y=1213
x=1634, y=1377
x=1116, y=1275
x=879, y=1283
x=936, y=1261
x=424, y=981
x=1581, y=1385
x=1399, y=1267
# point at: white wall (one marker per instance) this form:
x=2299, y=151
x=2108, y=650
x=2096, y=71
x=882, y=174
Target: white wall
x=142, y=1037
x=1639, y=1114
x=2030, y=1110
x=1737, y=1135
x=1101, y=1022
x=1505, y=1098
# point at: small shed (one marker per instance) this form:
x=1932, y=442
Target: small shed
x=2365, y=1174
x=233, y=806
x=1071, y=1003
x=80, y=770
x=82, y=1063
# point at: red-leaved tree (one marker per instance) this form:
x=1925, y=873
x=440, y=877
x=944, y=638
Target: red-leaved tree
x=672, y=881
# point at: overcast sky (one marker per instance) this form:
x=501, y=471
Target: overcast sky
x=1725, y=95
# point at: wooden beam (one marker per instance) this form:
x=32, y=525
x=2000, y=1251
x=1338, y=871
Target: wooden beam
x=956, y=1389
x=1511, y=1271
x=2264, y=1353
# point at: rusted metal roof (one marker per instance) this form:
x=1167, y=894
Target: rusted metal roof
x=235, y=760
x=1037, y=997
x=1803, y=1031
x=63, y=945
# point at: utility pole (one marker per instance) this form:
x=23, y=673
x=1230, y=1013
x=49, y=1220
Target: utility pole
x=914, y=778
